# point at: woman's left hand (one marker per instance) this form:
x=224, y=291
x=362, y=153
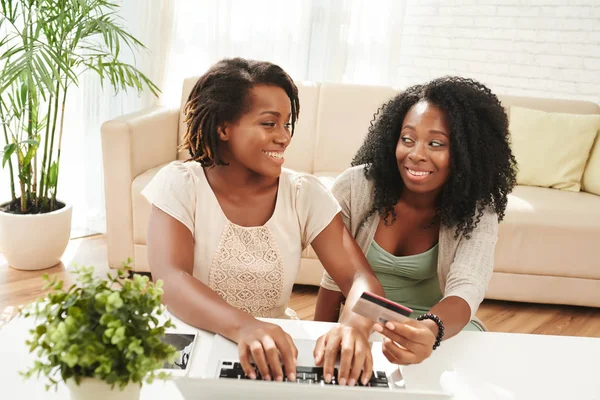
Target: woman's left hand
x=356, y=360
x=407, y=342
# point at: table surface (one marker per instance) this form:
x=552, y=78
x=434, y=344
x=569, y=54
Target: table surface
x=473, y=365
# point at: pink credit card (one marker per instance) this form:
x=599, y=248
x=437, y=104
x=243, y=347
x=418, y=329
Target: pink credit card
x=380, y=309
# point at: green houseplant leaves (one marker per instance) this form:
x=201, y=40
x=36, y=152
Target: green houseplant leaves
x=45, y=47
x=106, y=329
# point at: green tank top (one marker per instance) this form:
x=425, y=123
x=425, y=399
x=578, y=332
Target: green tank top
x=408, y=280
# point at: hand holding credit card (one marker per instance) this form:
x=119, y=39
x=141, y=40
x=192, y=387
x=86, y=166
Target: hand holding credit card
x=380, y=309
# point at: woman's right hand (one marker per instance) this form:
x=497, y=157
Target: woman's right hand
x=265, y=342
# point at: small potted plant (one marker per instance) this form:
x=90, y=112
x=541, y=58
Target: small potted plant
x=103, y=338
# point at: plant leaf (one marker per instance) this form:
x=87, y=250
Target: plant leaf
x=23, y=98
x=32, y=142
x=9, y=149
x=33, y=146
x=53, y=175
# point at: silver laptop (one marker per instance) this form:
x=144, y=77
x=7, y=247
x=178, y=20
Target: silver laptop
x=223, y=378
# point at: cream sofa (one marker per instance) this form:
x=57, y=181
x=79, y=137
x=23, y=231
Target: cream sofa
x=547, y=247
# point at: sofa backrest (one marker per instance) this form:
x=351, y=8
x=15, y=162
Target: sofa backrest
x=550, y=105
x=344, y=116
x=335, y=117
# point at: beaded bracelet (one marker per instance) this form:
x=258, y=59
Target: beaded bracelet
x=440, y=325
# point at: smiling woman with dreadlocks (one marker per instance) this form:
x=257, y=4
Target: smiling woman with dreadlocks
x=423, y=200
x=228, y=226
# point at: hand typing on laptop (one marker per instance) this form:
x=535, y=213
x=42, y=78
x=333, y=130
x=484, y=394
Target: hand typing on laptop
x=356, y=360
x=265, y=342
x=273, y=351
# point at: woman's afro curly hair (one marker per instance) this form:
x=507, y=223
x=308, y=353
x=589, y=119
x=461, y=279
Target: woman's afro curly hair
x=482, y=166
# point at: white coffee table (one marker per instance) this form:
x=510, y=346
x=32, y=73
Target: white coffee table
x=473, y=365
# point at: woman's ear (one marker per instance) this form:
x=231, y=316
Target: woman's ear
x=223, y=131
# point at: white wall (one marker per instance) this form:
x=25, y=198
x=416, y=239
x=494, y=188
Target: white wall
x=548, y=48
x=542, y=48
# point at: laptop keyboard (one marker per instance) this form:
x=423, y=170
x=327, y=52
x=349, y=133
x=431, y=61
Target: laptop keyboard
x=306, y=375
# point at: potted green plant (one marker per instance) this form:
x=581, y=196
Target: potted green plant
x=102, y=337
x=45, y=46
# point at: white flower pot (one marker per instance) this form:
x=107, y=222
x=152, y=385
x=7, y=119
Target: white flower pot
x=37, y=241
x=96, y=389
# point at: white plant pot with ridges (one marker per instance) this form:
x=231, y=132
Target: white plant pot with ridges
x=96, y=389
x=35, y=241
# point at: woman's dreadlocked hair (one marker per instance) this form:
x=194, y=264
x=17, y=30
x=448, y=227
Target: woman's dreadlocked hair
x=482, y=166
x=222, y=95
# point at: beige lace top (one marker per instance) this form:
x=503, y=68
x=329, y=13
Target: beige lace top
x=252, y=268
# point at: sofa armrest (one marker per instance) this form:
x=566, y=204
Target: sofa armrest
x=132, y=144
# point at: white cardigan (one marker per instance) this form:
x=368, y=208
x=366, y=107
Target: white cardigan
x=465, y=266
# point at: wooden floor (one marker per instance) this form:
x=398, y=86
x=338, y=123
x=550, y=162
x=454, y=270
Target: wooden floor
x=22, y=287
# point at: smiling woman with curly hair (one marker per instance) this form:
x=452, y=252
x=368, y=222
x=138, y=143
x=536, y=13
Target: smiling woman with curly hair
x=423, y=200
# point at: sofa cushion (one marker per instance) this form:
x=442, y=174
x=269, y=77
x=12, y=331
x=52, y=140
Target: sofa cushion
x=344, y=116
x=550, y=232
x=327, y=179
x=591, y=176
x=141, y=206
x=300, y=154
x=551, y=148
x=563, y=226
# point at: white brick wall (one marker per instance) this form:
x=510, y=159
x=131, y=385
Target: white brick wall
x=543, y=48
